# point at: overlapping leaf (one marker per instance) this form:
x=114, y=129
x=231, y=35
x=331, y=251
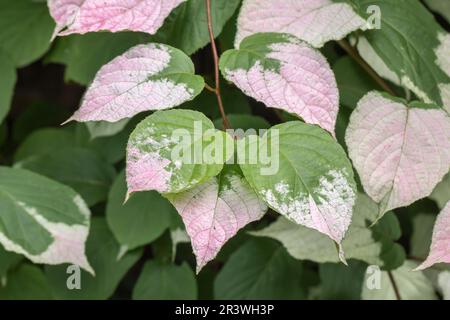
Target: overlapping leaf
x=314, y=21
x=175, y=150
x=146, y=77
x=45, y=221
x=400, y=151
x=286, y=73
x=310, y=180
x=214, y=212
x=82, y=16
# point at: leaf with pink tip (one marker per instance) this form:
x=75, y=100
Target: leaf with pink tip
x=400, y=151
x=214, y=212
x=314, y=21
x=146, y=77
x=440, y=245
x=169, y=152
x=82, y=16
x=286, y=73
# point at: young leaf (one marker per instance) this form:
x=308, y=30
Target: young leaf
x=260, y=269
x=371, y=244
x=187, y=29
x=214, y=212
x=100, y=129
x=400, y=151
x=286, y=73
x=312, y=182
x=440, y=249
x=25, y=30
x=142, y=219
x=146, y=77
x=7, y=83
x=158, y=160
x=44, y=220
x=314, y=21
x=82, y=16
x=410, y=52
x=159, y=281
x=104, y=253
x=410, y=285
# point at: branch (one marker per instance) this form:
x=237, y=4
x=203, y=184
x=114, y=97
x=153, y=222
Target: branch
x=394, y=285
x=216, y=90
x=355, y=56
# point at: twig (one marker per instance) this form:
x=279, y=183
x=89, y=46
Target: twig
x=216, y=90
x=394, y=285
x=355, y=56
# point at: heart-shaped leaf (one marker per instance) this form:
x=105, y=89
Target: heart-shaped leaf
x=170, y=152
x=440, y=245
x=146, y=77
x=214, y=212
x=286, y=73
x=400, y=151
x=42, y=219
x=310, y=179
x=82, y=16
x=314, y=21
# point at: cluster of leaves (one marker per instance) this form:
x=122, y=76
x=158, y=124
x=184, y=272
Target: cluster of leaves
x=362, y=120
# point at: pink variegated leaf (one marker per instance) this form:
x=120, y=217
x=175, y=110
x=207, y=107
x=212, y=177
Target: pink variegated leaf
x=440, y=245
x=146, y=77
x=214, y=212
x=400, y=151
x=82, y=16
x=314, y=21
x=286, y=73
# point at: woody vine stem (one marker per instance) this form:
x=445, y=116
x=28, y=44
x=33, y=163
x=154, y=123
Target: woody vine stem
x=216, y=89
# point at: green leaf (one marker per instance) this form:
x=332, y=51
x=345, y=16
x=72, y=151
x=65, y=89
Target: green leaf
x=142, y=219
x=260, y=269
x=85, y=54
x=410, y=52
x=159, y=281
x=441, y=194
x=27, y=282
x=7, y=261
x=441, y=7
x=7, y=83
x=99, y=129
x=103, y=252
x=25, y=30
x=169, y=152
x=36, y=212
x=186, y=28
x=420, y=241
x=371, y=244
x=340, y=282
x=244, y=122
x=412, y=285
x=310, y=176
x=82, y=169
x=353, y=82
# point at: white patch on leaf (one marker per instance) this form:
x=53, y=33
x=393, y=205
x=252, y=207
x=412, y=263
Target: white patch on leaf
x=82, y=16
x=440, y=245
x=131, y=83
x=409, y=84
x=314, y=21
x=214, y=211
x=443, y=53
x=327, y=208
x=401, y=153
